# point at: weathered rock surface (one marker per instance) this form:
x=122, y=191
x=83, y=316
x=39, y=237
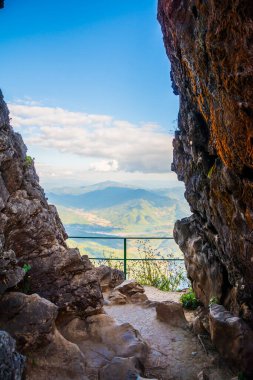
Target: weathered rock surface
x=59, y=360
x=117, y=298
x=31, y=229
x=67, y=286
x=173, y=352
x=121, y=368
x=107, y=346
x=10, y=272
x=128, y=291
x=233, y=338
x=30, y=319
x=210, y=46
x=109, y=277
x=11, y=362
x=171, y=313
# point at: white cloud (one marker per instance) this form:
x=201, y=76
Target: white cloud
x=116, y=145
x=105, y=166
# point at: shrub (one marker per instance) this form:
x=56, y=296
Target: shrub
x=162, y=274
x=28, y=161
x=189, y=300
x=165, y=275
x=26, y=268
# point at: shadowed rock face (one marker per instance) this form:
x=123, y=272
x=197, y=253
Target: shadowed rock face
x=210, y=46
x=12, y=363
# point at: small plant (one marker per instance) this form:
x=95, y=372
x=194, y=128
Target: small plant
x=28, y=161
x=189, y=300
x=213, y=301
x=210, y=172
x=241, y=376
x=151, y=268
x=26, y=268
x=163, y=274
x=26, y=282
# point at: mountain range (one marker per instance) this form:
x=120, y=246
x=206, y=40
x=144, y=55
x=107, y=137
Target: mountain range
x=115, y=209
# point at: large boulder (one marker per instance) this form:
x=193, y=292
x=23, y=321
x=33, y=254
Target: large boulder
x=109, y=348
x=59, y=360
x=122, y=339
x=233, y=338
x=57, y=273
x=117, y=298
x=109, y=277
x=131, y=291
x=30, y=319
x=11, y=362
x=172, y=313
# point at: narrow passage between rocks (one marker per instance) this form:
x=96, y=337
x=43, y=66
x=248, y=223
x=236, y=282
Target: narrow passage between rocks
x=175, y=353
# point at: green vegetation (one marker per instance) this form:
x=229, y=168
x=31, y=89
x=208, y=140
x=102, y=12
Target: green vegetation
x=26, y=268
x=213, y=301
x=26, y=282
x=121, y=210
x=189, y=300
x=210, y=172
x=165, y=275
x=28, y=161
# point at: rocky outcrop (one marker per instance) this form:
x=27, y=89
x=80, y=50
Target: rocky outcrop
x=232, y=336
x=210, y=46
x=107, y=346
x=10, y=272
x=109, y=277
x=30, y=319
x=128, y=291
x=172, y=313
x=50, y=297
x=31, y=230
x=12, y=363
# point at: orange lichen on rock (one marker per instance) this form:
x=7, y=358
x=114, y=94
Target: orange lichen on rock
x=210, y=46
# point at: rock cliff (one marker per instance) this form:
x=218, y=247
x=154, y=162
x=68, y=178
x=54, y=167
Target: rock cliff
x=32, y=233
x=210, y=46
x=50, y=297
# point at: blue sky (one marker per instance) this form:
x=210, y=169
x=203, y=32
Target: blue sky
x=63, y=62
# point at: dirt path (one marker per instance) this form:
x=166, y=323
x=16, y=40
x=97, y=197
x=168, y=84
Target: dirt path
x=175, y=353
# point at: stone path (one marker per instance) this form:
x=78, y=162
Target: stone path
x=175, y=353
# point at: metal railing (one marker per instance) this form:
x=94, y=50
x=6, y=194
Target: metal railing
x=125, y=239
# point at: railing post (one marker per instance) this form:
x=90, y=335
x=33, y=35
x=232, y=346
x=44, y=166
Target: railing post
x=125, y=258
